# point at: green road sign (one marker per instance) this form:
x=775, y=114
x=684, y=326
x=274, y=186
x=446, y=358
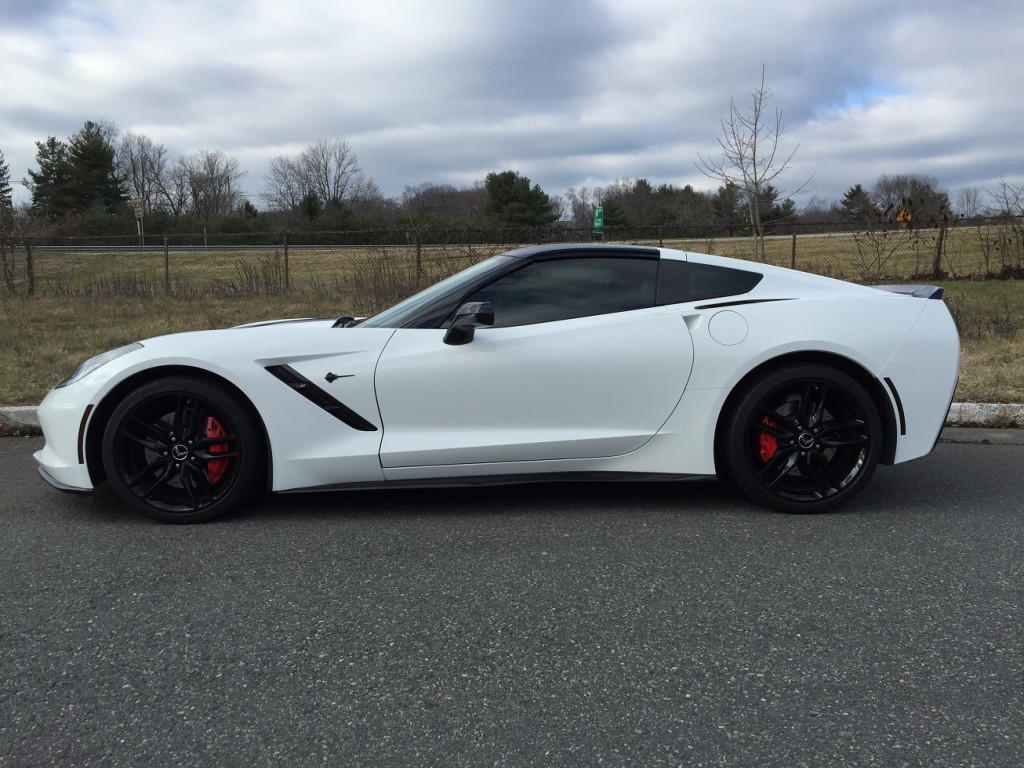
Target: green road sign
x=599, y=220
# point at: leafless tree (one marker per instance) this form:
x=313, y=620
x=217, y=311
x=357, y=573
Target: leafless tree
x=285, y=185
x=22, y=226
x=753, y=157
x=327, y=170
x=967, y=203
x=214, y=182
x=142, y=164
x=581, y=204
x=174, y=188
x=1008, y=213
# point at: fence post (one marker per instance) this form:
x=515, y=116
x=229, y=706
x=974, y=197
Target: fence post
x=167, y=267
x=792, y=254
x=287, y=276
x=30, y=269
x=419, y=262
x=939, y=242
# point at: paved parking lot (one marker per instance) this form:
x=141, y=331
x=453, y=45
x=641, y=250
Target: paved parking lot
x=535, y=625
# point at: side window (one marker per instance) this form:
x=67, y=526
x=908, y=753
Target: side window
x=681, y=281
x=560, y=289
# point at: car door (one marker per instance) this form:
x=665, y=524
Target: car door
x=579, y=364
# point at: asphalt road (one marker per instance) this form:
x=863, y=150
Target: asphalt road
x=535, y=625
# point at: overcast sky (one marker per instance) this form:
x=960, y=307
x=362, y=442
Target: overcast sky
x=568, y=92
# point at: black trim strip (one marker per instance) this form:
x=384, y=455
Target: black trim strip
x=318, y=397
x=81, y=433
x=899, y=405
x=738, y=303
x=462, y=481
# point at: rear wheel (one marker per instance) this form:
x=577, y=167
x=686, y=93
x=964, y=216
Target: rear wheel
x=182, y=450
x=803, y=439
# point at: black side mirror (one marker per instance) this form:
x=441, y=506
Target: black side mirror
x=469, y=317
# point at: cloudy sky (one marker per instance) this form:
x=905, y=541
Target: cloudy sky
x=568, y=92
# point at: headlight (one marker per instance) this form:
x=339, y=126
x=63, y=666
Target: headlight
x=93, y=363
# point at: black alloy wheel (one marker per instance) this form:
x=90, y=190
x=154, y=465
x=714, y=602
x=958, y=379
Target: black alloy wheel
x=182, y=450
x=803, y=439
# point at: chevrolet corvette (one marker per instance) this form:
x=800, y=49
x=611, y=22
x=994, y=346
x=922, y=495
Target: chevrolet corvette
x=563, y=362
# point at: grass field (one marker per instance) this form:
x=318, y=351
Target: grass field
x=898, y=255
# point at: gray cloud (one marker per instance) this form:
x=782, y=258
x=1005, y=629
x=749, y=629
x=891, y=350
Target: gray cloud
x=569, y=93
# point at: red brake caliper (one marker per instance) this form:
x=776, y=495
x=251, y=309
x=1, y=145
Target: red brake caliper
x=766, y=442
x=215, y=468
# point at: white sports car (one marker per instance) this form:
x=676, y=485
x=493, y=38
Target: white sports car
x=543, y=363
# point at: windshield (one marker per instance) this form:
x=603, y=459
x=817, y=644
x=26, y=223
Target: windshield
x=398, y=315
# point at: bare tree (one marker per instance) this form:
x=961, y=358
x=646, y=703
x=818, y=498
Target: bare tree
x=214, y=181
x=331, y=169
x=142, y=165
x=22, y=226
x=327, y=170
x=967, y=203
x=285, y=184
x=917, y=195
x=174, y=188
x=1008, y=213
x=581, y=204
x=753, y=157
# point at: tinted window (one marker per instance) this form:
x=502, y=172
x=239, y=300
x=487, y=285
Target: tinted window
x=681, y=281
x=564, y=288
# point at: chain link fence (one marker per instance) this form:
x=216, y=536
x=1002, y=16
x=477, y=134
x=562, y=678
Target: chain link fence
x=371, y=269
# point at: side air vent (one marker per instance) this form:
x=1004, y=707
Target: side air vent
x=318, y=397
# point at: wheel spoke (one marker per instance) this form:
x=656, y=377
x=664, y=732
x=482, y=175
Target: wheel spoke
x=151, y=437
x=777, y=467
x=812, y=404
x=158, y=483
x=833, y=435
x=194, y=480
x=230, y=442
x=831, y=481
x=778, y=429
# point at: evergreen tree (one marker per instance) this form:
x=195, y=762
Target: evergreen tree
x=93, y=176
x=512, y=200
x=51, y=184
x=856, y=205
x=728, y=206
x=6, y=199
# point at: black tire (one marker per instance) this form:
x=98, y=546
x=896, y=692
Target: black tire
x=182, y=450
x=803, y=439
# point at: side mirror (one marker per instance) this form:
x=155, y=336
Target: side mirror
x=469, y=317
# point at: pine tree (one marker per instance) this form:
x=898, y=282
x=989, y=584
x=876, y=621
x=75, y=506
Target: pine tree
x=512, y=200
x=51, y=184
x=6, y=199
x=856, y=205
x=93, y=176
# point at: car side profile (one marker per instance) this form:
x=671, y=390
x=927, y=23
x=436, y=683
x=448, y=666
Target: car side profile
x=561, y=362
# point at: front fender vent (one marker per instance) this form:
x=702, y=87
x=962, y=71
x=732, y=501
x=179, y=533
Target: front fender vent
x=318, y=397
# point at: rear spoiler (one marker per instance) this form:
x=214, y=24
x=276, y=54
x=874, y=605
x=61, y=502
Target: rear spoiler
x=917, y=291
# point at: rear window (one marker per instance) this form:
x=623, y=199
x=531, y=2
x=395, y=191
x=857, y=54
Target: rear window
x=683, y=281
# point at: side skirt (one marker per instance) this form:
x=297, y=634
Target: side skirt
x=486, y=480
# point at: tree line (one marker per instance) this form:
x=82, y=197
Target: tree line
x=85, y=185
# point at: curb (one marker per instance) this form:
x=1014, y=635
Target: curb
x=19, y=420
x=23, y=420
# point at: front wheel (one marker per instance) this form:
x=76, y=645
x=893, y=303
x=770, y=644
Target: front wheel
x=182, y=450
x=803, y=439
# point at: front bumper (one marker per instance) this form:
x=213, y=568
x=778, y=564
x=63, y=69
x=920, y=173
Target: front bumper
x=55, y=483
x=63, y=416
